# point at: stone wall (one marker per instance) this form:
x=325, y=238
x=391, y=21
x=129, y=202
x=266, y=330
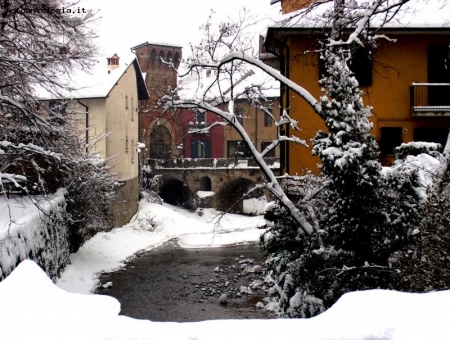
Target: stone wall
x=40, y=235
x=125, y=206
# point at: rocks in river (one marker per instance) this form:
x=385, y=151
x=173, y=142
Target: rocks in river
x=228, y=282
x=245, y=290
x=257, y=269
x=223, y=299
x=256, y=284
x=107, y=285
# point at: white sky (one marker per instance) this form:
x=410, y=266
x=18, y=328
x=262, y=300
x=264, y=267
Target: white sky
x=125, y=24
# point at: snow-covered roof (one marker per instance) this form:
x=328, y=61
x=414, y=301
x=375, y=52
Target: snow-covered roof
x=95, y=83
x=195, y=85
x=413, y=15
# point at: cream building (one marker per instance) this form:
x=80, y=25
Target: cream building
x=105, y=108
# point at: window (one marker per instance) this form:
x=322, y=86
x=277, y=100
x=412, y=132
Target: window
x=201, y=149
x=239, y=113
x=132, y=109
x=126, y=102
x=264, y=145
x=391, y=137
x=126, y=144
x=360, y=64
x=237, y=148
x=431, y=134
x=438, y=72
x=201, y=118
x=160, y=142
x=268, y=118
x=132, y=151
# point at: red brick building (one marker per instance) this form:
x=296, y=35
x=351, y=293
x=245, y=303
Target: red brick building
x=158, y=131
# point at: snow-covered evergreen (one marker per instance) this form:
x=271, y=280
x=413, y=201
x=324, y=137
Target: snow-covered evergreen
x=359, y=226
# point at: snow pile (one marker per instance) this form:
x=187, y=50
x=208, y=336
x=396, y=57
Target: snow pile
x=426, y=167
x=34, y=308
x=204, y=194
x=255, y=206
x=33, y=229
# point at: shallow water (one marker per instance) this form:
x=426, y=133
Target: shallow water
x=175, y=284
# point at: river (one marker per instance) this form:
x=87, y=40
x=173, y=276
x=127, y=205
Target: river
x=170, y=283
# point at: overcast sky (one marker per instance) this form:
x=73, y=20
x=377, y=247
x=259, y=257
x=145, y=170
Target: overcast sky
x=124, y=24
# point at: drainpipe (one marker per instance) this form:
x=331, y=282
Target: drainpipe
x=86, y=108
x=284, y=70
x=256, y=127
x=287, y=131
x=141, y=158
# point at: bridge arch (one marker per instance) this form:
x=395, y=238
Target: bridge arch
x=232, y=192
x=175, y=192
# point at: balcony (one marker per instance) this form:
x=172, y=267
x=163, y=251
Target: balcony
x=430, y=99
x=199, y=128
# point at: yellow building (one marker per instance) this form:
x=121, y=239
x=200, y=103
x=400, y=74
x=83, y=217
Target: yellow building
x=406, y=80
x=259, y=125
x=104, y=106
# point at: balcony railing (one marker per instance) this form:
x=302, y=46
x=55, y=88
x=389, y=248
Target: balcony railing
x=199, y=128
x=430, y=99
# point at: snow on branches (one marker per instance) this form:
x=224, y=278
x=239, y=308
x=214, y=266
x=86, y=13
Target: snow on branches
x=40, y=47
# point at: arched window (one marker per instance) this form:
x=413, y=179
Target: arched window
x=153, y=57
x=176, y=60
x=160, y=142
x=161, y=56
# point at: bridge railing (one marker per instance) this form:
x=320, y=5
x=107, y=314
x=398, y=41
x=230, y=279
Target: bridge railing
x=186, y=163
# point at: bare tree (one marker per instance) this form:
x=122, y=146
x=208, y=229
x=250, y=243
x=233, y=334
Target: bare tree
x=40, y=46
x=365, y=208
x=41, y=43
x=228, y=53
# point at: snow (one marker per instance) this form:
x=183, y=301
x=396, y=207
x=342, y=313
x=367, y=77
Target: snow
x=34, y=308
x=426, y=166
x=255, y=206
x=195, y=86
x=26, y=230
x=203, y=194
x=95, y=83
x=153, y=225
x=414, y=14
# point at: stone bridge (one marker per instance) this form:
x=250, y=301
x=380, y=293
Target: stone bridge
x=206, y=182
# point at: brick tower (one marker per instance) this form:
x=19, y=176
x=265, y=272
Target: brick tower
x=158, y=132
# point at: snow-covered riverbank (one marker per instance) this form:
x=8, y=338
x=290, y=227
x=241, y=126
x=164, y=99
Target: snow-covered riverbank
x=34, y=308
x=152, y=226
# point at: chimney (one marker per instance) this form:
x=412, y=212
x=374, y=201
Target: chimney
x=113, y=62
